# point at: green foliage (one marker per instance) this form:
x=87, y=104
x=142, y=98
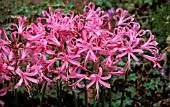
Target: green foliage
x=133, y=77
x=32, y=9
x=161, y=23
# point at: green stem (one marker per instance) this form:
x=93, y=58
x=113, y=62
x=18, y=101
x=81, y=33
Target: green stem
x=75, y=99
x=74, y=95
x=60, y=94
x=43, y=93
x=102, y=96
x=16, y=98
x=59, y=100
x=86, y=97
x=94, y=93
x=110, y=96
x=124, y=87
x=16, y=93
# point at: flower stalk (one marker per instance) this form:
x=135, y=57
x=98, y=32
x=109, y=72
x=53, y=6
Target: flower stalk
x=110, y=95
x=124, y=87
x=86, y=95
x=43, y=93
x=75, y=99
x=16, y=98
x=102, y=96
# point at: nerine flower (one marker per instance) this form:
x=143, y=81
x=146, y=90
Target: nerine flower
x=89, y=48
x=26, y=77
x=66, y=58
x=122, y=20
x=150, y=44
x=60, y=74
x=129, y=49
x=98, y=79
x=155, y=60
x=74, y=74
x=20, y=25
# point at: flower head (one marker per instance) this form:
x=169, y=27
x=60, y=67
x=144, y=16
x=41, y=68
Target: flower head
x=20, y=25
x=98, y=79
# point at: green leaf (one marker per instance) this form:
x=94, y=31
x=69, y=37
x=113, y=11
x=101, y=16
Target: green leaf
x=118, y=95
x=148, y=1
x=150, y=85
x=108, y=4
x=128, y=101
x=155, y=105
x=99, y=2
x=130, y=89
x=114, y=78
x=21, y=88
x=148, y=93
x=116, y=103
x=122, y=63
x=133, y=62
x=133, y=77
x=121, y=77
x=58, y=3
x=71, y=5
x=158, y=81
x=70, y=92
x=47, y=56
x=155, y=71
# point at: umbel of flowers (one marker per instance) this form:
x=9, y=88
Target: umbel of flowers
x=61, y=47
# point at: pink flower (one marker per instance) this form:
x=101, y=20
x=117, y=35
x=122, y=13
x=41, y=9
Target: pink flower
x=150, y=45
x=34, y=32
x=58, y=21
x=97, y=78
x=6, y=41
x=30, y=37
x=60, y=74
x=129, y=49
x=119, y=73
x=53, y=39
x=121, y=18
x=66, y=58
x=26, y=77
x=88, y=50
x=20, y=25
x=4, y=77
x=155, y=60
x=51, y=16
x=89, y=11
x=41, y=74
x=74, y=74
x=23, y=54
x=3, y=67
x=3, y=92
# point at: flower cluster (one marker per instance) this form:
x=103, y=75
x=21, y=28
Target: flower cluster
x=61, y=47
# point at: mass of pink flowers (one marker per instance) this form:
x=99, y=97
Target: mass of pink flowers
x=60, y=47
